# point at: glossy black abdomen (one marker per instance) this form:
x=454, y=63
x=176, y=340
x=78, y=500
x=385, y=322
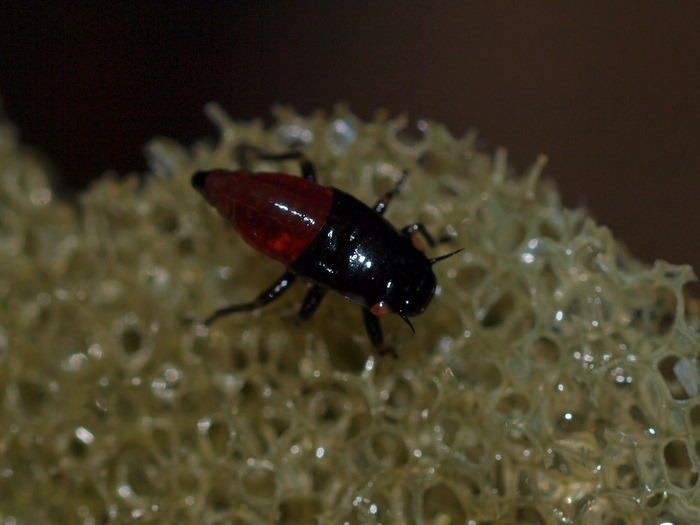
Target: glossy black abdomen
x=362, y=256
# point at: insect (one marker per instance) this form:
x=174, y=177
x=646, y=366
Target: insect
x=326, y=237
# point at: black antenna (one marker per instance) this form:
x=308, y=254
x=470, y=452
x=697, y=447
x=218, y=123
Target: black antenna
x=437, y=259
x=408, y=322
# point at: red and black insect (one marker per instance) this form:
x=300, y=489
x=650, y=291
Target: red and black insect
x=326, y=237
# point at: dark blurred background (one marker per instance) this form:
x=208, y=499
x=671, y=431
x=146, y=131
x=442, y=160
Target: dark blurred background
x=610, y=91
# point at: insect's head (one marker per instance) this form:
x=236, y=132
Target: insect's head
x=409, y=295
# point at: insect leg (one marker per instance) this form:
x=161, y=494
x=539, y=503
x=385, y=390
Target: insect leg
x=308, y=171
x=374, y=330
x=383, y=202
x=312, y=301
x=273, y=292
x=413, y=229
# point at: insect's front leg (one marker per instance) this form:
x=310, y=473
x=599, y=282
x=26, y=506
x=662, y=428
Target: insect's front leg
x=413, y=229
x=374, y=331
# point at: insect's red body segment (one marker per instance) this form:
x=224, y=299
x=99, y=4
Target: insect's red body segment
x=275, y=213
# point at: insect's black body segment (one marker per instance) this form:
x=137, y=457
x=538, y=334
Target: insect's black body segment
x=326, y=237
x=361, y=255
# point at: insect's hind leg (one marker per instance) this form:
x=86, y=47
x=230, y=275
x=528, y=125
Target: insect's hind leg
x=308, y=171
x=272, y=293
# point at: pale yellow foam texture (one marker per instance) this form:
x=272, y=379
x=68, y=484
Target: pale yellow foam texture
x=553, y=378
